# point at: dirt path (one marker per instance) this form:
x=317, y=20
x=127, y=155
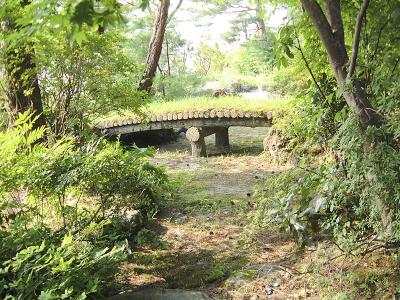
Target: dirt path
x=204, y=238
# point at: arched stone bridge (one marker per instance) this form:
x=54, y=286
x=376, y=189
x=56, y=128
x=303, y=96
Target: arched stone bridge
x=200, y=123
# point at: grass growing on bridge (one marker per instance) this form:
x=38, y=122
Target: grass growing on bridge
x=226, y=102
x=206, y=103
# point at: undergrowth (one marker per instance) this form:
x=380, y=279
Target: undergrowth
x=66, y=212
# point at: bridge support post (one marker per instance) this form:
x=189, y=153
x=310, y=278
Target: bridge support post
x=199, y=148
x=196, y=136
x=222, y=137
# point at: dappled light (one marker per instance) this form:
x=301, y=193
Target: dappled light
x=196, y=150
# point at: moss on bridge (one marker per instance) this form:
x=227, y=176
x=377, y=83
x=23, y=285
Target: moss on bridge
x=199, y=104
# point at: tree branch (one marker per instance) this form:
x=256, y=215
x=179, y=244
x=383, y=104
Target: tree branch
x=379, y=39
x=357, y=34
x=309, y=68
x=174, y=11
x=335, y=19
x=336, y=53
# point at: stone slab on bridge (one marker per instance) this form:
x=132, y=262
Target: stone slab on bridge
x=200, y=123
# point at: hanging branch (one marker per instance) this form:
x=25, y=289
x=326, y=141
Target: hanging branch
x=308, y=66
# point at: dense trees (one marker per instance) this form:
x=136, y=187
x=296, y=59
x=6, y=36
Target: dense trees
x=23, y=91
x=348, y=114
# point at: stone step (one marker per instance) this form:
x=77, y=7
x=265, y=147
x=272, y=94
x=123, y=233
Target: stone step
x=161, y=294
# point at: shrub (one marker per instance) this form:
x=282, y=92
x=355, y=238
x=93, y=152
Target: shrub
x=286, y=81
x=62, y=212
x=68, y=269
x=290, y=201
x=354, y=196
x=179, y=86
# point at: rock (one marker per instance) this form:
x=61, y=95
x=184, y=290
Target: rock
x=269, y=290
x=236, y=281
x=276, y=284
x=161, y=294
x=236, y=87
x=274, y=146
x=295, y=161
x=219, y=92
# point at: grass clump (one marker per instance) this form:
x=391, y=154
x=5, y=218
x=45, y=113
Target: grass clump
x=227, y=102
x=278, y=105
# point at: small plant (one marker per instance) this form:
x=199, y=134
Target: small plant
x=296, y=209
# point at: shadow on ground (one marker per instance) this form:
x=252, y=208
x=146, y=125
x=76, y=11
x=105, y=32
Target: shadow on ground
x=206, y=239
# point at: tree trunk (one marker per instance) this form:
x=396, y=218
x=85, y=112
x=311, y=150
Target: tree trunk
x=23, y=91
x=261, y=27
x=155, y=46
x=167, y=54
x=260, y=21
x=332, y=35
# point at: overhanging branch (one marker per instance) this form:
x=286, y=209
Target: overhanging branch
x=335, y=52
x=171, y=16
x=357, y=33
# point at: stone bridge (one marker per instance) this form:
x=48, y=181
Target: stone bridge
x=200, y=123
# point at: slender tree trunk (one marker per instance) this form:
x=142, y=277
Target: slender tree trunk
x=171, y=16
x=167, y=54
x=23, y=89
x=260, y=20
x=261, y=27
x=155, y=46
x=331, y=33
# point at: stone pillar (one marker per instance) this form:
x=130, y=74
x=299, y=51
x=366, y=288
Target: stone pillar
x=196, y=139
x=222, y=137
x=199, y=148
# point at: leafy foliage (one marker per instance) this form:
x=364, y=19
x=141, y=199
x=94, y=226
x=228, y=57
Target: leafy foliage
x=65, y=212
x=80, y=83
x=69, y=270
x=359, y=180
x=254, y=57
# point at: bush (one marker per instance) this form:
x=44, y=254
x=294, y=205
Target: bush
x=354, y=196
x=290, y=201
x=69, y=269
x=286, y=81
x=63, y=212
x=179, y=86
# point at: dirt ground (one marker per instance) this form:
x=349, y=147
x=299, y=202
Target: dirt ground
x=205, y=239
